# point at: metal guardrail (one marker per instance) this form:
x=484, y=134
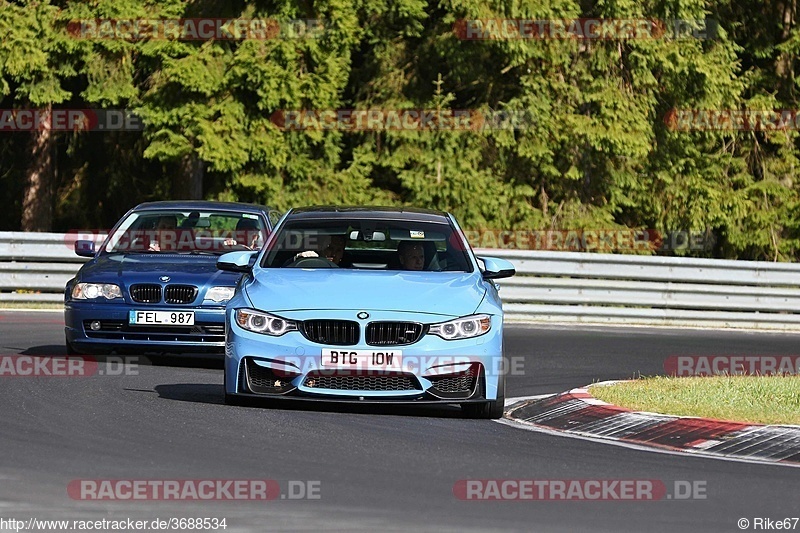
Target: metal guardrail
x=35, y=267
x=549, y=286
x=633, y=289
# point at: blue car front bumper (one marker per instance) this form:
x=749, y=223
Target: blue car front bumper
x=431, y=369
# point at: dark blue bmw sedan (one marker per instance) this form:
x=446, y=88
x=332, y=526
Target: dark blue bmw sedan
x=153, y=285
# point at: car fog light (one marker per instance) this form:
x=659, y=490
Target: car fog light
x=95, y=325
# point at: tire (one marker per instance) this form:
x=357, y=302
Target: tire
x=488, y=410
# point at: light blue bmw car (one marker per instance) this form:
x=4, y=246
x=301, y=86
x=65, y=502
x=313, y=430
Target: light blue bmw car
x=366, y=304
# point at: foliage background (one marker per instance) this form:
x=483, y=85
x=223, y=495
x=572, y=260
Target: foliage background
x=599, y=153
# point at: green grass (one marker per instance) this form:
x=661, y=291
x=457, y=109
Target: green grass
x=756, y=399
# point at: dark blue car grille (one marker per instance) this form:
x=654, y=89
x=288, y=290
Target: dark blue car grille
x=180, y=294
x=150, y=293
x=146, y=293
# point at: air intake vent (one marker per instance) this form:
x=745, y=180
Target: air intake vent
x=393, y=333
x=146, y=293
x=180, y=294
x=362, y=382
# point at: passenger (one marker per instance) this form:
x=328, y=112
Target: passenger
x=165, y=234
x=411, y=255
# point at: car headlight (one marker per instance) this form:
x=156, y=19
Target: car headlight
x=91, y=291
x=260, y=322
x=462, y=328
x=220, y=294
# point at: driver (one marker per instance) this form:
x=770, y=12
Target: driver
x=249, y=232
x=164, y=234
x=331, y=247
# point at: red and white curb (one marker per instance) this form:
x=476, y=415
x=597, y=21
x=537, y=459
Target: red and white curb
x=576, y=413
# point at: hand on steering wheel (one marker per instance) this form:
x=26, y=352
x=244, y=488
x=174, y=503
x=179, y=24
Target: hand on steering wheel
x=313, y=262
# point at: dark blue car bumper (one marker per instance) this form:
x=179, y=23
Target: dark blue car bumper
x=114, y=333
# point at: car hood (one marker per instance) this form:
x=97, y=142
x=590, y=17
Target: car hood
x=440, y=293
x=148, y=268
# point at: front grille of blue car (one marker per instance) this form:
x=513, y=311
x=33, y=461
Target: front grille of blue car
x=150, y=293
x=180, y=294
x=332, y=332
x=393, y=333
x=389, y=381
x=146, y=293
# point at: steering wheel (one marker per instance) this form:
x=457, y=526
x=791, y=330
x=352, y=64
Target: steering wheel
x=236, y=247
x=313, y=262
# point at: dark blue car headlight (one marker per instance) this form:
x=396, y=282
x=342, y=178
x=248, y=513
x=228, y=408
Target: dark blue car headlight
x=220, y=294
x=93, y=291
x=261, y=322
x=462, y=328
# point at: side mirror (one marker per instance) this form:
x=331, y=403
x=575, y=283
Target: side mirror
x=237, y=261
x=495, y=268
x=85, y=248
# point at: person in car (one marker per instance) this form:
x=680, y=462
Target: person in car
x=331, y=247
x=411, y=255
x=247, y=234
x=165, y=234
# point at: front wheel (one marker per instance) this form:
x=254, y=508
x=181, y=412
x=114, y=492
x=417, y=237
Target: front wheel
x=492, y=409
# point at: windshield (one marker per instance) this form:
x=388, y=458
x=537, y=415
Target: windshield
x=213, y=232
x=368, y=244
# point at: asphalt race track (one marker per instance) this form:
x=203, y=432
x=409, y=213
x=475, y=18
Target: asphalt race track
x=376, y=468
